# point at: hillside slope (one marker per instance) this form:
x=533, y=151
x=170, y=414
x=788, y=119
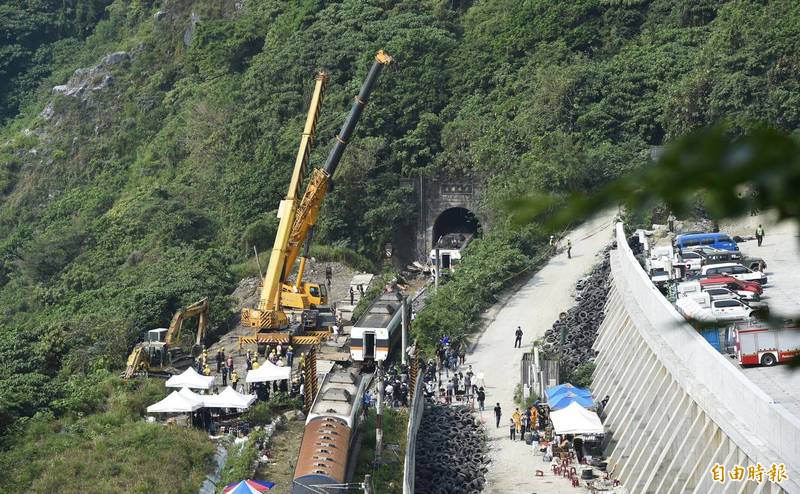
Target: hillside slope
x=139, y=172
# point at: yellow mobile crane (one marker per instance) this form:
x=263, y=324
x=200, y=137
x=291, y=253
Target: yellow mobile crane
x=161, y=354
x=297, y=216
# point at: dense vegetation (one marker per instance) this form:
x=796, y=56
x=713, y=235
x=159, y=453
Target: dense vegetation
x=141, y=183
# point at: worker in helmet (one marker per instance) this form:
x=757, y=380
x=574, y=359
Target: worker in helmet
x=289, y=355
x=255, y=364
x=206, y=370
x=234, y=379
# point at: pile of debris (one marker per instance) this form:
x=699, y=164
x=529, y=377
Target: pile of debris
x=581, y=322
x=450, y=454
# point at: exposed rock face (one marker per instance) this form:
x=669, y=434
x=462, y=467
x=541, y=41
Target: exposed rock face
x=86, y=81
x=188, y=35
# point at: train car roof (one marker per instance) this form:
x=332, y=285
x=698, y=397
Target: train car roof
x=338, y=393
x=381, y=311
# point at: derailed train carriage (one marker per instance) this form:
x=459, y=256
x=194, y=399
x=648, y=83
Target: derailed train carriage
x=377, y=329
x=330, y=430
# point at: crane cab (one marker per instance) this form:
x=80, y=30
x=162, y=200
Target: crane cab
x=307, y=296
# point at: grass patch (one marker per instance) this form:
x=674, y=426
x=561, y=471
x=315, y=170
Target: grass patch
x=343, y=255
x=241, y=460
x=108, y=452
x=284, y=445
x=387, y=478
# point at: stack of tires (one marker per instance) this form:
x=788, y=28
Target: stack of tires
x=451, y=452
x=581, y=322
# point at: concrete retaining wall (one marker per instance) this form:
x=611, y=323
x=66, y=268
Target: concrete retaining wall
x=414, y=419
x=676, y=405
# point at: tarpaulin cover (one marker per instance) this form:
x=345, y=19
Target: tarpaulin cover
x=248, y=487
x=555, y=391
x=574, y=419
x=564, y=399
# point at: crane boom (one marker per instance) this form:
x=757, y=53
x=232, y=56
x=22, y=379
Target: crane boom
x=296, y=220
x=311, y=203
x=268, y=314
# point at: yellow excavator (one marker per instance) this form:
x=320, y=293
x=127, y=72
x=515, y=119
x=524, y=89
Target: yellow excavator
x=298, y=215
x=161, y=354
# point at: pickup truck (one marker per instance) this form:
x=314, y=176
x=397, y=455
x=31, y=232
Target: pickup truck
x=700, y=307
x=736, y=271
x=732, y=283
x=717, y=256
x=721, y=293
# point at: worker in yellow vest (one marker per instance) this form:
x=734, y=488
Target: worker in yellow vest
x=234, y=380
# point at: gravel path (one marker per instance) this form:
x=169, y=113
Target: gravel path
x=534, y=307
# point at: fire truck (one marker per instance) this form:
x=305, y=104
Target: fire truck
x=759, y=344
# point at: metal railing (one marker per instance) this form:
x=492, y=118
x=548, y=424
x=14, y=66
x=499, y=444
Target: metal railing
x=414, y=419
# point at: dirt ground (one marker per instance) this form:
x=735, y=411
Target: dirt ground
x=284, y=447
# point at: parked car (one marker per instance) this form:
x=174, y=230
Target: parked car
x=700, y=307
x=715, y=240
x=691, y=260
x=736, y=271
x=716, y=256
x=722, y=293
x=732, y=283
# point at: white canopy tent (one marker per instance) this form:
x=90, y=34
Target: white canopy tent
x=192, y=396
x=268, y=372
x=174, y=403
x=190, y=379
x=229, y=398
x=574, y=419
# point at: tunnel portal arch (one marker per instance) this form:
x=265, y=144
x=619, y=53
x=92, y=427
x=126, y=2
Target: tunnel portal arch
x=454, y=220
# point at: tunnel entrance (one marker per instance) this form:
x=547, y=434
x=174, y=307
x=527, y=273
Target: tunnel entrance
x=454, y=220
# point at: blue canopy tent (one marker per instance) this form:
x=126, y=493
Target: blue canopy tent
x=564, y=399
x=554, y=392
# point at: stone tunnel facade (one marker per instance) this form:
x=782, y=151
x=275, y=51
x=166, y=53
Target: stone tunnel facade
x=443, y=198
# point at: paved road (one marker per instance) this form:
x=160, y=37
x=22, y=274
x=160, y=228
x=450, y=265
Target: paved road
x=534, y=307
x=781, y=251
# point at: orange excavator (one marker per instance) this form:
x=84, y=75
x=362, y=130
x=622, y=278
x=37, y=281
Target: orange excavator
x=281, y=299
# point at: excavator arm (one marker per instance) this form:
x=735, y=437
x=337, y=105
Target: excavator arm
x=135, y=361
x=199, y=308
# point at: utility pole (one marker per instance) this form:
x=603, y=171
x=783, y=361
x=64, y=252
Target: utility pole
x=379, y=412
x=367, y=484
x=436, y=272
x=404, y=329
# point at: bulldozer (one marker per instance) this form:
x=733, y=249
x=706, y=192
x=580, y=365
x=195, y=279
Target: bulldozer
x=161, y=355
